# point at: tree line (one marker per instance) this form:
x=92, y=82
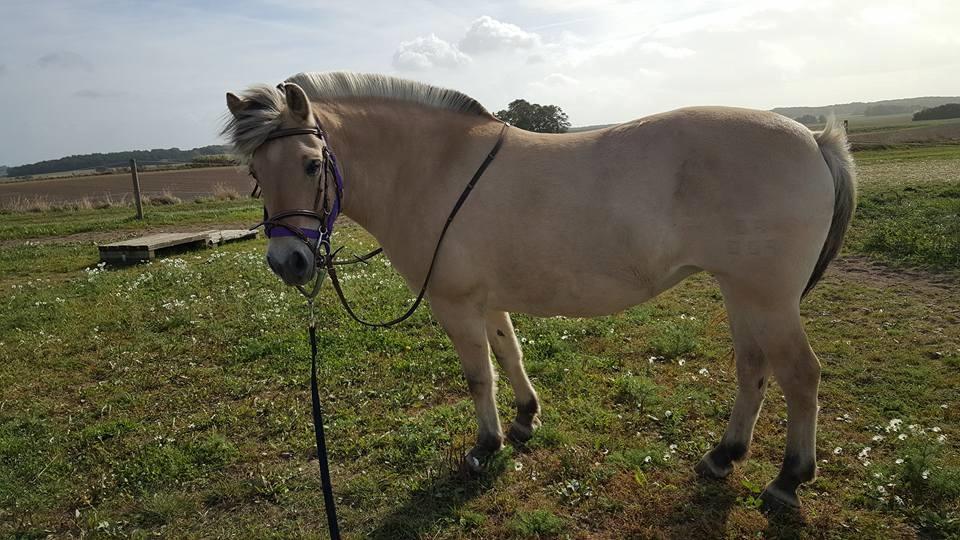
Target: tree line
x=947, y=110
x=116, y=159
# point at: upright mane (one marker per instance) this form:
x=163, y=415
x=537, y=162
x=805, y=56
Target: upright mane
x=266, y=103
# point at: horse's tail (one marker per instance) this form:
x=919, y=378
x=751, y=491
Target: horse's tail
x=836, y=152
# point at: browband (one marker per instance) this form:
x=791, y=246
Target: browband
x=316, y=131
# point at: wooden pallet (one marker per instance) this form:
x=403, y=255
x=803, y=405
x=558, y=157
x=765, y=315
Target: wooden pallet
x=150, y=247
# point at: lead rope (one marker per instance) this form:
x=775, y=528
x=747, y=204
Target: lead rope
x=325, y=480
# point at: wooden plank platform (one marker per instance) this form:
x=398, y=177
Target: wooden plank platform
x=149, y=247
x=231, y=235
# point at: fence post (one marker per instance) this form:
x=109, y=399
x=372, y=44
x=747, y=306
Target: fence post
x=136, y=188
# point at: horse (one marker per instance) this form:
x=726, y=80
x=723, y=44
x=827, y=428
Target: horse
x=576, y=224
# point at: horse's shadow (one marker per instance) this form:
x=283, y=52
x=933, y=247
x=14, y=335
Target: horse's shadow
x=715, y=499
x=704, y=515
x=438, y=499
x=709, y=508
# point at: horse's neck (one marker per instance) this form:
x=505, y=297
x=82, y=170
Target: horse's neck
x=396, y=158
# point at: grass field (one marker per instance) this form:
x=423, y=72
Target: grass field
x=171, y=398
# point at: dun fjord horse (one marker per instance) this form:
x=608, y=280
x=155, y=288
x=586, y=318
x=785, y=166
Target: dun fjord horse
x=580, y=224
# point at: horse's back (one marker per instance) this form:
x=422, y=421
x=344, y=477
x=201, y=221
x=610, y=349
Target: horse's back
x=723, y=189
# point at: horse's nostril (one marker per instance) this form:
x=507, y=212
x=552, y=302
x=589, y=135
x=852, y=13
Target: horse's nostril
x=299, y=262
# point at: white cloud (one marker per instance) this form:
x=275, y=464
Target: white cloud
x=666, y=51
x=559, y=79
x=782, y=57
x=426, y=52
x=487, y=34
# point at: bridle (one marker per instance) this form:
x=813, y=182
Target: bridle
x=318, y=241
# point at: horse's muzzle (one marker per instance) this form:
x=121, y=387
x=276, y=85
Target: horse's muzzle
x=291, y=260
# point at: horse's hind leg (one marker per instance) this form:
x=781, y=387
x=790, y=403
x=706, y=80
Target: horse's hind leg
x=507, y=351
x=773, y=320
x=752, y=379
x=797, y=370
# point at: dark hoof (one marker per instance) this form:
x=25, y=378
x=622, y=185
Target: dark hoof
x=520, y=433
x=707, y=468
x=777, y=500
x=479, y=455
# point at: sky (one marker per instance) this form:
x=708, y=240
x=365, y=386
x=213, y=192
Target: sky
x=84, y=76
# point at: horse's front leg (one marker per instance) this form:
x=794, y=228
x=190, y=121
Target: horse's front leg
x=464, y=323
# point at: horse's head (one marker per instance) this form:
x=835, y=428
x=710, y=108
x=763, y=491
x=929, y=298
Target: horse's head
x=278, y=133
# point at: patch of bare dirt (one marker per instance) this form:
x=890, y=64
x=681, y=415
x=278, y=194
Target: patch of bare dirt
x=866, y=270
x=187, y=184
x=941, y=134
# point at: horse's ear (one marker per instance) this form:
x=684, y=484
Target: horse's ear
x=297, y=101
x=235, y=103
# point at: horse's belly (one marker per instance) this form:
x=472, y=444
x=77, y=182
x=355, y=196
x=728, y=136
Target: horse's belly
x=588, y=294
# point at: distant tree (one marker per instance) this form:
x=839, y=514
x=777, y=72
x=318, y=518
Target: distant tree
x=807, y=119
x=821, y=119
x=948, y=110
x=535, y=117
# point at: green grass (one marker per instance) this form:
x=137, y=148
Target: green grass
x=909, y=207
x=171, y=399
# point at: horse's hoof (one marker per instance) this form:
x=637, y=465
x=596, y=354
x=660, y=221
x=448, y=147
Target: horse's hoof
x=708, y=469
x=521, y=433
x=477, y=457
x=776, y=499
x=472, y=464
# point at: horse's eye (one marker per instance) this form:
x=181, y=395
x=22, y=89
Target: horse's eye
x=313, y=168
